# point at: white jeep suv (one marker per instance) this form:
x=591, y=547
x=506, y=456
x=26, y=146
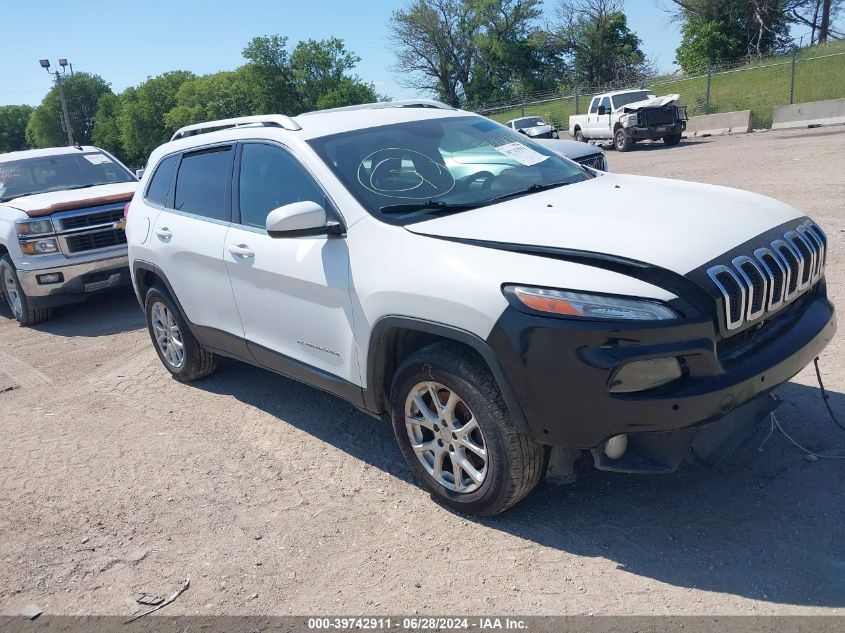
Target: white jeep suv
x=489, y=297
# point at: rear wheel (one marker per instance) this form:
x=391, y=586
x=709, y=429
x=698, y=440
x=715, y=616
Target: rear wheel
x=20, y=304
x=177, y=348
x=672, y=139
x=457, y=435
x=579, y=136
x=621, y=141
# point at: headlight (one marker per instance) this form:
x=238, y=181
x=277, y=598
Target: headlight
x=589, y=306
x=628, y=119
x=46, y=246
x=27, y=228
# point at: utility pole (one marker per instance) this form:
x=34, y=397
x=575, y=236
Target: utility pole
x=45, y=64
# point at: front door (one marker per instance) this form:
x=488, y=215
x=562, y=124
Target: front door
x=292, y=292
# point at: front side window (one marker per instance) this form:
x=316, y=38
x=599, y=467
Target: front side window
x=202, y=183
x=605, y=103
x=270, y=178
x=159, y=186
x=412, y=171
x=60, y=172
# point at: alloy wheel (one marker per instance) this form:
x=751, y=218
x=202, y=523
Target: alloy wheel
x=13, y=294
x=168, y=336
x=446, y=437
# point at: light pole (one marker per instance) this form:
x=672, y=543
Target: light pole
x=45, y=64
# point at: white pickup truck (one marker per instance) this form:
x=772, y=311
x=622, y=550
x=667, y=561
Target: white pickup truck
x=628, y=116
x=59, y=237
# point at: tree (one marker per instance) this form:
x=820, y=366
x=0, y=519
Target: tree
x=818, y=15
x=721, y=30
x=106, y=125
x=141, y=115
x=82, y=92
x=594, y=35
x=466, y=50
x=13, y=120
x=222, y=95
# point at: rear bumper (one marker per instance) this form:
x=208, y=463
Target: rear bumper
x=76, y=281
x=560, y=369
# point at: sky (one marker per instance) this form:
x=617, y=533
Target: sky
x=126, y=41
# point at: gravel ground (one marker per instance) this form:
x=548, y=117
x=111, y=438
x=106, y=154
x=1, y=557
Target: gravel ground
x=275, y=498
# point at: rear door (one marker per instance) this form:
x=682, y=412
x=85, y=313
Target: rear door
x=188, y=238
x=292, y=293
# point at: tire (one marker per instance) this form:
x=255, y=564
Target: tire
x=16, y=299
x=673, y=139
x=621, y=141
x=514, y=462
x=178, y=350
x=579, y=136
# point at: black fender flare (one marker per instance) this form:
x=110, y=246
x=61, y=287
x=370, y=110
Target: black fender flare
x=464, y=337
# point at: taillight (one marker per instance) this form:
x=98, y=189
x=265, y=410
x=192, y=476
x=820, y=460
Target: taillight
x=126, y=210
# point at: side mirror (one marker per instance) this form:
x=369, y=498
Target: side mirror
x=602, y=110
x=300, y=219
x=139, y=173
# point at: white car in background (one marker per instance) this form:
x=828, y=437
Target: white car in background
x=58, y=238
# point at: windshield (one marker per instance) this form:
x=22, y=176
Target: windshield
x=532, y=121
x=59, y=172
x=407, y=172
x=630, y=97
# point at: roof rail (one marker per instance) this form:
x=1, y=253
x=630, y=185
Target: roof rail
x=270, y=120
x=402, y=103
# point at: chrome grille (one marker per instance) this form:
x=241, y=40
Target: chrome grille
x=757, y=285
x=92, y=229
x=596, y=161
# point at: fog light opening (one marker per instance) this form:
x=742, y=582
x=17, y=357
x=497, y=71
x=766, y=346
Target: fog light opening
x=616, y=446
x=50, y=278
x=640, y=375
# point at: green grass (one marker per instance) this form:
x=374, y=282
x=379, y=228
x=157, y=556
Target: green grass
x=759, y=87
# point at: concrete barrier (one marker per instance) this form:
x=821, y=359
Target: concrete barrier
x=806, y=114
x=721, y=123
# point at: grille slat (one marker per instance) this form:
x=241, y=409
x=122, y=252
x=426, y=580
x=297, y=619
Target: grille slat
x=98, y=239
x=596, y=161
x=752, y=288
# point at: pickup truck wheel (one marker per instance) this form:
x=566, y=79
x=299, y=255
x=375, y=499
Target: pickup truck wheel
x=621, y=141
x=16, y=298
x=457, y=435
x=177, y=348
x=672, y=139
x=579, y=136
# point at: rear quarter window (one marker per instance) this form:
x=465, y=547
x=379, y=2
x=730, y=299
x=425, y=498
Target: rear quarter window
x=159, y=187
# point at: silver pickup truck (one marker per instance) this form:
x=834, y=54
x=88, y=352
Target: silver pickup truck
x=60, y=237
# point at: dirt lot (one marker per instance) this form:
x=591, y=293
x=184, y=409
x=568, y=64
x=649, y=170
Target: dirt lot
x=275, y=498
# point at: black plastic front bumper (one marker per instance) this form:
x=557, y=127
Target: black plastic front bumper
x=559, y=370
x=654, y=132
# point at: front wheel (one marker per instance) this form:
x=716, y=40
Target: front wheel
x=621, y=141
x=20, y=304
x=457, y=435
x=672, y=139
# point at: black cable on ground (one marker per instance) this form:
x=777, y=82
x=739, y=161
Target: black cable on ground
x=825, y=397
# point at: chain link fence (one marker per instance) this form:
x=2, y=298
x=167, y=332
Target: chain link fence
x=812, y=74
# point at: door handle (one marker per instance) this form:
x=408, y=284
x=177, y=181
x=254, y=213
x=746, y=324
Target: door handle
x=164, y=233
x=241, y=250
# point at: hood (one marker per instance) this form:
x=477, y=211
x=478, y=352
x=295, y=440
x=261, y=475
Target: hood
x=569, y=149
x=42, y=204
x=673, y=224
x=651, y=103
x=537, y=129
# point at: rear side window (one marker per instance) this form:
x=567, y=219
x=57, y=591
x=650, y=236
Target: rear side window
x=202, y=183
x=271, y=178
x=160, y=182
x=594, y=106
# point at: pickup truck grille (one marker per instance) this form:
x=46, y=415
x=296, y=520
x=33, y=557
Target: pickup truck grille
x=757, y=285
x=89, y=229
x=657, y=116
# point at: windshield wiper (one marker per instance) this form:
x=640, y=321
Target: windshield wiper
x=528, y=190
x=436, y=205
x=93, y=184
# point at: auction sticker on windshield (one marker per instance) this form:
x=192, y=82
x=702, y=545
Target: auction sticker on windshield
x=521, y=153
